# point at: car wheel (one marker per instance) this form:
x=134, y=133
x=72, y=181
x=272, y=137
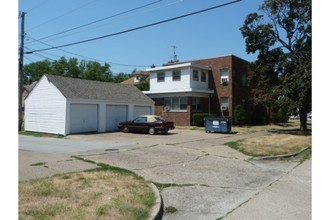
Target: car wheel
x=125, y=129
x=165, y=131
x=152, y=130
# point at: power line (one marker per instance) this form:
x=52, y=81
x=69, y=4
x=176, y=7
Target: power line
x=42, y=3
x=62, y=15
x=86, y=57
x=137, y=28
x=102, y=19
x=70, y=34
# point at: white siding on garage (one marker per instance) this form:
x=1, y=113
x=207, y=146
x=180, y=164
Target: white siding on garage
x=45, y=109
x=141, y=110
x=114, y=115
x=83, y=118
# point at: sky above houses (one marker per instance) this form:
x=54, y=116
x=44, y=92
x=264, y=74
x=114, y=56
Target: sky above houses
x=115, y=31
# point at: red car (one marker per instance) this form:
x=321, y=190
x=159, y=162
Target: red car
x=147, y=124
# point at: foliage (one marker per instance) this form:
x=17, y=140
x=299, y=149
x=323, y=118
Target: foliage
x=240, y=115
x=281, y=35
x=198, y=118
x=144, y=84
x=71, y=67
x=279, y=116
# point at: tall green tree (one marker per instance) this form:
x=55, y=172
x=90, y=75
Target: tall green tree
x=71, y=67
x=282, y=32
x=37, y=69
x=120, y=77
x=95, y=71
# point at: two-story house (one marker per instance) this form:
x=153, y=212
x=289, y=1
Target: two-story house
x=179, y=90
x=213, y=85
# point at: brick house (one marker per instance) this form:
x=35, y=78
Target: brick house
x=213, y=85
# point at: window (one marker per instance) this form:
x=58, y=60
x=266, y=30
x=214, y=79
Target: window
x=203, y=76
x=161, y=77
x=140, y=120
x=224, y=104
x=224, y=75
x=244, y=79
x=196, y=104
x=176, y=103
x=195, y=75
x=176, y=75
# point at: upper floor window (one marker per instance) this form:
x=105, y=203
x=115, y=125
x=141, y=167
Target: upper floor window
x=244, y=79
x=195, y=75
x=161, y=77
x=224, y=75
x=176, y=75
x=203, y=76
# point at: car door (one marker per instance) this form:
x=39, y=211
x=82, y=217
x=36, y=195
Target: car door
x=139, y=124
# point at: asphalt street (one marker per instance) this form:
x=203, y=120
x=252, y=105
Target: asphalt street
x=211, y=180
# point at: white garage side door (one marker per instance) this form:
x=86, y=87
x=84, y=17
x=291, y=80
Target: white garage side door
x=141, y=110
x=114, y=115
x=83, y=118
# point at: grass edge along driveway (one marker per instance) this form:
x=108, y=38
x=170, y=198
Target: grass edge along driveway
x=106, y=192
x=274, y=144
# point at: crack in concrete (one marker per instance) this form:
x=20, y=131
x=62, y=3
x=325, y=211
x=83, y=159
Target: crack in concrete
x=168, y=164
x=260, y=191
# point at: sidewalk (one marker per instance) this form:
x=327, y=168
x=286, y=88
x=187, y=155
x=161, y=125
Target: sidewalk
x=288, y=198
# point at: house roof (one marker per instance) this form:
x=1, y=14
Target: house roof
x=73, y=88
x=179, y=65
x=29, y=87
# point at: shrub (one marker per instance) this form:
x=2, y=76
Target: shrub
x=198, y=118
x=240, y=115
x=279, y=116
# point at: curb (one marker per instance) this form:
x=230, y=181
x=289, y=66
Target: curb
x=157, y=209
x=280, y=156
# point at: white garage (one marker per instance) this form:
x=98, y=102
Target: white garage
x=114, y=115
x=83, y=118
x=62, y=105
x=142, y=110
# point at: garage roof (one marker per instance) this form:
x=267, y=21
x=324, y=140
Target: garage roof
x=73, y=88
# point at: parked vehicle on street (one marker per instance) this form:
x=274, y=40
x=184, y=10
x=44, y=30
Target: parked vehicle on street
x=151, y=124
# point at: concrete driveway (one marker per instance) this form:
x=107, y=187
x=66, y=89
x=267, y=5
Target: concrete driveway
x=211, y=180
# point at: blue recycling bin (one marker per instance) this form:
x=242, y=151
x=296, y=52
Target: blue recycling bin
x=217, y=124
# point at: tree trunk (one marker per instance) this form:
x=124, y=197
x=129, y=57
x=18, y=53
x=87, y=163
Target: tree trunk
x=303, y=119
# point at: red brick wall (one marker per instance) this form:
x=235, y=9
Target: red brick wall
x=234, y=90
x=179, y=118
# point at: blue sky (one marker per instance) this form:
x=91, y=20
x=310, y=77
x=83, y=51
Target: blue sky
x=209, y=34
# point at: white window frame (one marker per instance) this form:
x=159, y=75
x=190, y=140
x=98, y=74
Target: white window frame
x=224, y=78
x=161, y=78
x=195, y=73
x=224, y=103
x=176, y=104
x=203, y=76
x=176, y=75
x=196, y=104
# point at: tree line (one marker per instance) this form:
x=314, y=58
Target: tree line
x=73, y=68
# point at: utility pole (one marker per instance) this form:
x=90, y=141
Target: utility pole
x=20, y=75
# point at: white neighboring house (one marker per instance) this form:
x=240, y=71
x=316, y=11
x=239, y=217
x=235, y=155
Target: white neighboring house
x=179, y=90
x=62, y=105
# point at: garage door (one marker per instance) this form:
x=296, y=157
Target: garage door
x=83, y=118
x=141, y=110
x=114, y=115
